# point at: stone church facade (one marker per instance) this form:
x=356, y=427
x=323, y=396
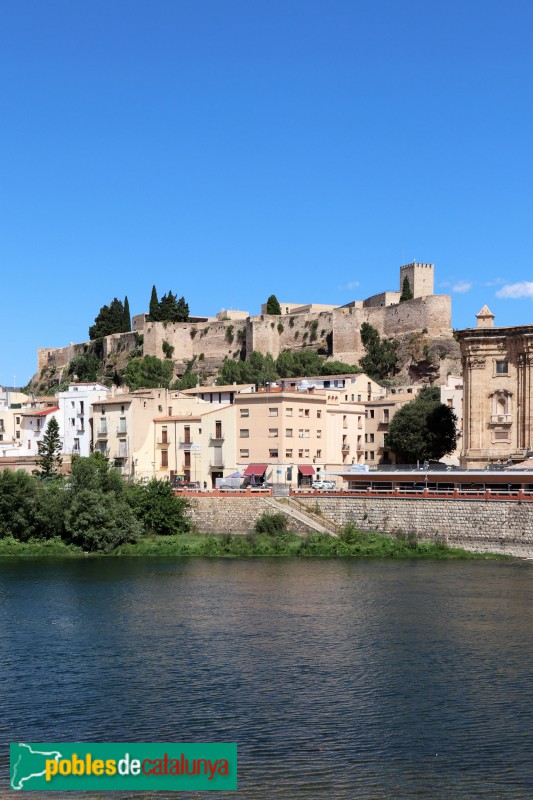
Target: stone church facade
x=498, y=392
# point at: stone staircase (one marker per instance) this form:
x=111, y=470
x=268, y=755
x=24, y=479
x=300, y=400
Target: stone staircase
x=291, y=508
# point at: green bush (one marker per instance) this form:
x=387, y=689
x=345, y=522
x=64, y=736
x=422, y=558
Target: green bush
x=272, y=523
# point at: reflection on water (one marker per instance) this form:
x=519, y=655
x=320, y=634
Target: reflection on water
x=338, y=679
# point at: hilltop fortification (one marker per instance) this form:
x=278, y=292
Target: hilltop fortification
x=334, y=331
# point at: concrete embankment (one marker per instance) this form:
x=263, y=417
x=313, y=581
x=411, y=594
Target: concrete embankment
x=480, y=526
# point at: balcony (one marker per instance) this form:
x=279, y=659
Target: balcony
x=217, y=465
x=345, y=448
x=163, y=442
x=101, y=432
x=501, y=419
x=216, y=439
x=120, y=456
x=122, y=430
x=185, y=443
x=80, y=430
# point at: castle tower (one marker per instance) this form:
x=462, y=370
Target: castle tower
x=420, y=277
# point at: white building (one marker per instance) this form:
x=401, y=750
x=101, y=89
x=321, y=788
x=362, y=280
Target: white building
x=33, y=426
x=76, y=415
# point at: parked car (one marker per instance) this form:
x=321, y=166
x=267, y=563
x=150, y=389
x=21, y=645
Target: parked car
x=323, y=485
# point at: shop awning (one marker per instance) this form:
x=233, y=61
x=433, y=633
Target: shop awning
x=255, y=469
x=304, y=469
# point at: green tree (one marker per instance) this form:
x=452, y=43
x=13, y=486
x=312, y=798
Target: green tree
x=127, y=316
x=272, y=305
x=381, y=359
x=159, y=510
x=49, y=459
x=17, y=504
x=182, y=310
x=406, y=290
x=84, y=367
x=423, y=429
x=153, y=311
x=96, y=521
x=111, y=319
x=148, y=373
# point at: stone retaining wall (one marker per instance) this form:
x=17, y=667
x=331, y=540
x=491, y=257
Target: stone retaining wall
x=234, y=514
x=480, y=526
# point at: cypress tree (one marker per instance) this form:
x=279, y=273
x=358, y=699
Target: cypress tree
x=273, y=306
x=154, y=308
x=127, y=316
x=406, y=290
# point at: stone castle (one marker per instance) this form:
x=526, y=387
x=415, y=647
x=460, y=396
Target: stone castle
x=331, y=330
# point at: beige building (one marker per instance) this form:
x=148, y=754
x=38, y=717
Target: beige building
x=285, y=436
x=498, y=392
x=451, y=395
x=357, y=387
x=197, y=448
x=379, y=414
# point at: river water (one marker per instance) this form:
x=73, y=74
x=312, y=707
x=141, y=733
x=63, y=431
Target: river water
x=338, y=679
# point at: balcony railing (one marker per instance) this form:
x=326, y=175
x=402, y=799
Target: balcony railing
x=162, y=442
x=214, y=438
x=501, y=419
x=345, y=448
x=101, y=432
x=121, y=430
x=185, y=442
x=120, y=456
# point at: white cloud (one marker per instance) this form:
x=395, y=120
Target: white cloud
x=445, y=283
x=349, y=286
x=462, y=286
x=513, y=290
x=495, y=282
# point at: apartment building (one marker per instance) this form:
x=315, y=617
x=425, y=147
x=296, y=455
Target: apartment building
x=76, y=415
x=292, y=436
x=379, y=414
x=198, y=447
x=358, y=387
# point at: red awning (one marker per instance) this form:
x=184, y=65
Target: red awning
x=304, y=469
x=256, y=469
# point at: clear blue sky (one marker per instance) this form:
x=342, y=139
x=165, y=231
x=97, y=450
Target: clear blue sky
x=228, y=149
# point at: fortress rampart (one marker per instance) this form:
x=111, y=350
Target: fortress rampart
x=332, y=331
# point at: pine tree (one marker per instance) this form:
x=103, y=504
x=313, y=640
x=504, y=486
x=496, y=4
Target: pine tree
x=127, y=317
x=49, y=459
x=109, y=320
x=153, y=310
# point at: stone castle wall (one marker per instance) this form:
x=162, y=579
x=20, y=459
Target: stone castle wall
x=273, y=334
x=210, y=342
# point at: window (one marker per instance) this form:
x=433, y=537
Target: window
x=17, y=434
x=272, y=412
x=300, y=412
x=288, y=433
x=371, y=455
x=300, y=453
x=164, y=434
x=319, y=434
x=502, y=368
x=306, y=433
x=244, y=433
x=272, y=433
x=301, y=433
x=160, y=409
x=345, y=398
x=372, y=413
x=170, y=411
x=17, y=420
x=273, y=453
x=288, y=453
x=306, y=453
x=218, y=430
x=244, y=454
x=385, y=415
x=76, y=448
x=358, y=398
x=164, y=458
x=353, y=397
x=122, y=409
x=318, y=414
x=102, y=410
x=306, y=412
x=72, y=422
x=288, y=412
x=319, y=453
x=245, y=412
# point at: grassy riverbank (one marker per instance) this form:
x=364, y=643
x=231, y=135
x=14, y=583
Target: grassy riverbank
x=353, y=543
